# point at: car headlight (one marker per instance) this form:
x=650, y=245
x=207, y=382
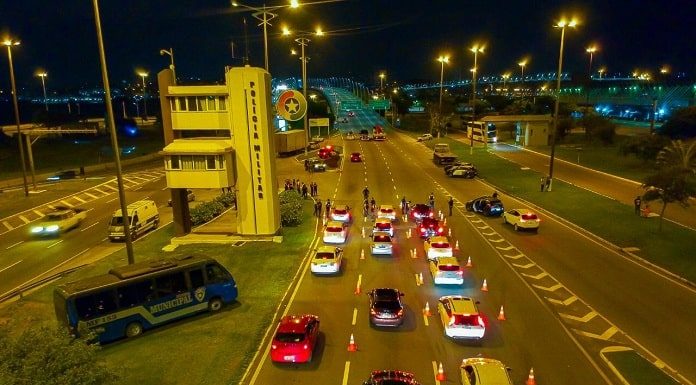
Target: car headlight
x=52, y=228
x=36, y=230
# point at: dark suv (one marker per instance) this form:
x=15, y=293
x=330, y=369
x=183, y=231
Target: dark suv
x=488, y=206
x=391, y=377
x=430, y=227
x=420, y=211
x=386, y=308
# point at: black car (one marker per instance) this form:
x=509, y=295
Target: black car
x=386, y=308
x=456, y=164
x=468, y=172
x=316, y=165
x=430, y=227
x=486, y=205
x=61, y=175
x=420, y=211
x=391, y=377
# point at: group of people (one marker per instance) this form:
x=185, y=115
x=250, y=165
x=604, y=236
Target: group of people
x=318, y=205
x=302, y=188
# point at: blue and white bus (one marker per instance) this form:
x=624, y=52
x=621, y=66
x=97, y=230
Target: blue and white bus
x=482, y=132
x=131, y=299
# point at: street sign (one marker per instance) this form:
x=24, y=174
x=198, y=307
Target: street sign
x=350, y=105
x=379, y=104
x=291, y=105
x=319, y=122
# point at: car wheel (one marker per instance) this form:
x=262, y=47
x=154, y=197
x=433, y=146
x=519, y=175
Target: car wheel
x=516, y=227
x=134, y=329
x=469, y=207
x=215, y=305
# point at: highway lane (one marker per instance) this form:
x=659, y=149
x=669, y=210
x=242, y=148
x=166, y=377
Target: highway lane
x=24, y=258
x=629, y=295
x=416, y=346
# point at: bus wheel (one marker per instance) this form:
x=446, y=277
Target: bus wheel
x=134, y=329
x=215, y=304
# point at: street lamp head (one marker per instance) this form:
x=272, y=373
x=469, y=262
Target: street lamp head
x=319, y=32
x=293, y=52
x=664, y=69
x=143, y=73
x=235, y=4
x=42, y=74
x=382, y=75
x=443, y=59
x=477, y=48
x=591, y=49
x=286, y=31
x=9, y=42
x=294, y=4
x=522, y=63
x=566, y=23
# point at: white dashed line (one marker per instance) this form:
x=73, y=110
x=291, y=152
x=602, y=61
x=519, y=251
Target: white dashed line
x=13, y=245
x=355, y=316
x=53, y=244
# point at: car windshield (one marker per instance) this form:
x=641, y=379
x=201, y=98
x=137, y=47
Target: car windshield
x=382, y=238
x=448, y=268
x=468, y=319
x=388, y=305
x=440, y=245
x=384, y=226
x=324, y=256
x=55, y=217
x=422, y=208
x=289, y=337
x=334, y=229
x=339, y=212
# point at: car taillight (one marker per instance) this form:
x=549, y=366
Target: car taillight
x=480, y=321
x=430, y=215
x=274, y=346
x=422, y=229
x=451, y=321
x=400, y=313
x=305, y=346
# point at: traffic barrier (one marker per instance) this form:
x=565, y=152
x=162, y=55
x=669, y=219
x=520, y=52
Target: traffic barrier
x=440, y=373
x=426, y=311
x=530, y=378
x=352, y=347
x=468, y=262
x=484, y=287
x=501, y=315
x=362, y=254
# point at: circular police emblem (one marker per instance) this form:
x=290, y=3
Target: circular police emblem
x=291, y=105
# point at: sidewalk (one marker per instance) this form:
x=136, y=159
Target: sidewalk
x=620, y=189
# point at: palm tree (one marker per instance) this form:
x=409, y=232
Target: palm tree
x=678, y=155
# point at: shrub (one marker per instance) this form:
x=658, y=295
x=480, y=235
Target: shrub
x=206, y=212
x=599, y=127
x=48, y=356
x=290, y=208
x=227, y=199
x=644, y=147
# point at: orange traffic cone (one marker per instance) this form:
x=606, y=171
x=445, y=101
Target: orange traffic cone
x=357, y=288
x=501, y=315
x=409, y=233
x=484, y=287
x=445, y=221
x=352, y=347
x=362, y=254
x=426, y=311
x=441, y=374
x=530, y=379
x=415, y=253
x=468, y=262
x=456, y=245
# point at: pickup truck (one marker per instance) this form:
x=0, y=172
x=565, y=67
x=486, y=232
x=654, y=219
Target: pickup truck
x=442, y=154
x=59, y=220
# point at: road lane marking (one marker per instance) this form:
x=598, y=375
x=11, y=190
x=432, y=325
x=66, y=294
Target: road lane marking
x=5, y=268
x=91, y=195
x=549, y=289
x=584, y=319
x=497, y=240
x=53, y=244
x=164, y=188
x=138, y=188
x=425, y=320
x=111, y=187
x=104, y=239
x=13, y=245
x=111, y=200
x=66, y=204
x=565, y=302
x=518, y=256
x=100, y=191
x=90, y=226
x=505, y=248
x=355, y=315
x=537, y=277
x=488, y=234
x=604, y=336
x=8, y=225
x=437, y=382
x=39, y=213
x=346, y=370
x=23, y=218
x=527, y=266
x=80, y=199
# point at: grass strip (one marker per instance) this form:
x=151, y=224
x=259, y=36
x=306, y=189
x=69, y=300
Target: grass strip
x=637, y=370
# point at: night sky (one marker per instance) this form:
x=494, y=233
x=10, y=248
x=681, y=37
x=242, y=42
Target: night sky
x=402, y=38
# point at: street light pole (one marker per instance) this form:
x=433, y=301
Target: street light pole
x=114, y=140
x=562, y=25
x=591, y=50
x=303, y=41
x=9, y=43
x=475, y=49
x=381, y=82
x=442, y=60
x=43, y=75
x=522, y=64
x=143, y=75
x=170, y=52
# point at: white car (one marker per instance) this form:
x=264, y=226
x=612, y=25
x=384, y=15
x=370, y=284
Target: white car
x=386, y=211
x=424, y=137
x=327, y=260
x=446, y=271
x=437, y=247
x=383, y=224
x=350, y=136
x=522, y=219
x=335, y=232
x=479, y=370
x=381, y=243
x=460, y=317
x=340, y=213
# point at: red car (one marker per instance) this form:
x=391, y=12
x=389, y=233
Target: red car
x=420, y=211
x=355, y=157
x=430, y=227
x=326, y=152
x=295, y=338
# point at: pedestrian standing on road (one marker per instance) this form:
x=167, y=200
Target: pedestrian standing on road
x=317, y=208
x=316, y=189
x=450, y=204
x=306, y=164
x=495, y=194
x=366, y=208
x=298, y=187
x=431, y=201
x=328, y=207
x=636, y=204
x=543, y=183
x=304, y=191
x=548, y=183
x=403, y=205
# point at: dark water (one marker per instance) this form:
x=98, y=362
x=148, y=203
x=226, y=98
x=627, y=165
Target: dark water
x=28, y=109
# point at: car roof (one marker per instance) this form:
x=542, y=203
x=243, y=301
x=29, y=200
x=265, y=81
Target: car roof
x=382, y=220
x=385, y=292
x=438, y=239
x=380, y=234
x=294, y=323
x=334, y=224
x=524, y=211
x=488, y=370
x=355, y=153
x=386, y=207
x=448, y=261
x=340, y=207
x=326, y=249
x=461, y=305
x=389, y=376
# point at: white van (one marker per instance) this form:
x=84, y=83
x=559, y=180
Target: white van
x=142, y=216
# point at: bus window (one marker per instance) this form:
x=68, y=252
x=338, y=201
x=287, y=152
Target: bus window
x=196, y=277
x=135, y=294
x=95, y=305
x=215, y=273
x=170, y=284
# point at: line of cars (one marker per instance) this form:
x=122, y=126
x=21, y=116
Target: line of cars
x=492, y=206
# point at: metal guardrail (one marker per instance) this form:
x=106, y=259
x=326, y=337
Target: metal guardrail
x=22, y=289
